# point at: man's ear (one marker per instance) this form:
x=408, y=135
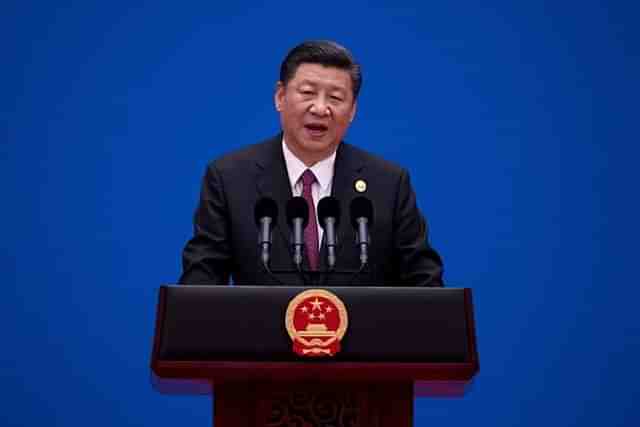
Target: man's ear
x=278, y=96
x=353, y=111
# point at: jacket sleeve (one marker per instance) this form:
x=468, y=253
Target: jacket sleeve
x=206, y=258
x=416, y=262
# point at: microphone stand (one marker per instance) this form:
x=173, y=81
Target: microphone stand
x=325, y=276
x=271, y=274
x=300, y=271
x=357, y=273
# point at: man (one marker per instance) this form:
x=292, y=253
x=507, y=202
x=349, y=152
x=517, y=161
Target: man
x=316, y=97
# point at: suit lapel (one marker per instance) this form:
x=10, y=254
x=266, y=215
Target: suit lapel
x=347, y=170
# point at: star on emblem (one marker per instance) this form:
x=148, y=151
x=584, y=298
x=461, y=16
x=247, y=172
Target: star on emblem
x=316, y=304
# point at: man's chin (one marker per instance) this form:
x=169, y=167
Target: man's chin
x=316, y=151
x=319, y=147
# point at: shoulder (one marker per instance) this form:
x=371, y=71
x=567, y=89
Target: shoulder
x=239, y=160
x=371, y=161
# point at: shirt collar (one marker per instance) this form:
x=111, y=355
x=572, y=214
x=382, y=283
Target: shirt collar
x=323, y=170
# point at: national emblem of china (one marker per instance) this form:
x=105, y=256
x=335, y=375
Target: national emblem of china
x=316, y=321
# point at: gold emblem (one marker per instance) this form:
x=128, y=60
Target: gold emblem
x=360, y=185
x=316, y=321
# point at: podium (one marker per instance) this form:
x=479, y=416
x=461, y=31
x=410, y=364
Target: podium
x=231, y=341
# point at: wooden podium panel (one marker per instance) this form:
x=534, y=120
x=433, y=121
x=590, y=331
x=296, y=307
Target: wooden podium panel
x=321, y=404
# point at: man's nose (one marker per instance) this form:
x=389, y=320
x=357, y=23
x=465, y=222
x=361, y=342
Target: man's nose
x=320, y=107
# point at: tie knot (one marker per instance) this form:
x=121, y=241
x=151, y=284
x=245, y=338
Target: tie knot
x=308, y=178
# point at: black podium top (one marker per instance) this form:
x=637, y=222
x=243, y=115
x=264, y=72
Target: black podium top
x=247, y=323
x=210, y=334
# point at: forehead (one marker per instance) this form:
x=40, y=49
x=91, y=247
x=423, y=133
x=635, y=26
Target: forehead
x=322, y=75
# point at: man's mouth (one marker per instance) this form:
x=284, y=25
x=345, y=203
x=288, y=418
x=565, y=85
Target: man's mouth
x=316, y=129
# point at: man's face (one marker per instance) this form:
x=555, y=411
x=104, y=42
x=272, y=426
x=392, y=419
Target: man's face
x=316, y=107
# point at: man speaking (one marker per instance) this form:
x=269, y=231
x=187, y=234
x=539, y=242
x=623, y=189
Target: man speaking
x=324, y=208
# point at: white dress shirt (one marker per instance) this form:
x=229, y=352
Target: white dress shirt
x=323, y=170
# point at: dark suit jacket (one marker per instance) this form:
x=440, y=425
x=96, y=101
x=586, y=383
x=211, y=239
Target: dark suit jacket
x=225, y=234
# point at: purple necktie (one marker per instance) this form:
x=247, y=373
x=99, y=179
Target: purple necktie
x=311, y=232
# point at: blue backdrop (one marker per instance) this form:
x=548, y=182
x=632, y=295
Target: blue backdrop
x=517, y=121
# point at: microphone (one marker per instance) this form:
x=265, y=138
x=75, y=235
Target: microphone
x=362, y=220
x=329, y=215
x=266, y=217
x=297, y=218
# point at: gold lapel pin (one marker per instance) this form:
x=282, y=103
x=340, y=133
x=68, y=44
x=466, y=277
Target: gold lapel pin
x=360, y=185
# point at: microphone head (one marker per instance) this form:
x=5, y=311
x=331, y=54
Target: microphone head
x=329, y=207
x=361, y=207
x=297, y=208
x=266, y=207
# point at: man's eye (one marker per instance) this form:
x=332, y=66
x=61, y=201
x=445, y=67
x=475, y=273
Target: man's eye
x=336, y=98
x=307, y=92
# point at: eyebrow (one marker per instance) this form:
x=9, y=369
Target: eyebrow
x=331, y=87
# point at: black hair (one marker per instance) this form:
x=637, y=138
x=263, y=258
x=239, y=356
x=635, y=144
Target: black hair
x=323, y=52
